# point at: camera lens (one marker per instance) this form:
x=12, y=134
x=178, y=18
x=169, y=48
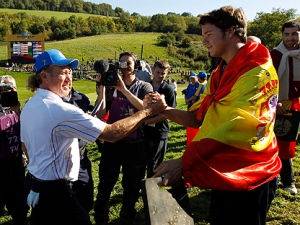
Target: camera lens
x=109, y=78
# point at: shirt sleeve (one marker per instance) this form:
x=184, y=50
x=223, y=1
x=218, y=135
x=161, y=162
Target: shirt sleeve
x=76, y=124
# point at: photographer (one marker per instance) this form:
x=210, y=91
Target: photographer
x=12, y=170
x=122, y=101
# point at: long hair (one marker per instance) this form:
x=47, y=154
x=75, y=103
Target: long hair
x=34, y=81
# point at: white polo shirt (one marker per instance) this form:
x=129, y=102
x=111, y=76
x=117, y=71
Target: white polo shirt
x=50, y=129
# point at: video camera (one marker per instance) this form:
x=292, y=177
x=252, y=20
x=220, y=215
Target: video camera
x=8, y=96
x=109, y=71
x=110, y=77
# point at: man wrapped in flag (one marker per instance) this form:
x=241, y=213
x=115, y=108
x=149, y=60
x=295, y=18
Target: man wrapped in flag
x=235, y=152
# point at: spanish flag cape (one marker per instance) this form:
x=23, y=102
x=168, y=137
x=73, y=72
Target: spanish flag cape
x=236, y=148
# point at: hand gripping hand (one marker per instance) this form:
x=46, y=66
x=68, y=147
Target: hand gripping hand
x=159, y=104
x=33, y=198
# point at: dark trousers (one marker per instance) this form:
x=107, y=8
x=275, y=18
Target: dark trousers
x=287, y=173
x=242, y=207
x=12, y=191
x=57, y=204
x=85, y=194
x=155, y=149
x=84, y=186
x=131, y=158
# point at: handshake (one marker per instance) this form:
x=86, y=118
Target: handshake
x=155, y=102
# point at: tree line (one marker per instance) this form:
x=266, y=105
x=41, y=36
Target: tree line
x=76, y=6
x=73, y=27
x=180, y=33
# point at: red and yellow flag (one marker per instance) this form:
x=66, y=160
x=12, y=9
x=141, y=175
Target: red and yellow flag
x=236, y=148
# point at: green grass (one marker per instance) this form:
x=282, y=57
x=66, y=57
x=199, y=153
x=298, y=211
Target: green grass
x=106, y=46
x=111, y=45
x=46, y=14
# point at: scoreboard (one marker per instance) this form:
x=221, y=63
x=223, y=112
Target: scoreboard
x=24, y=48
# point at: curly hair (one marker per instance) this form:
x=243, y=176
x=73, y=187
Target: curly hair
x=34, y=81
x=226, y=17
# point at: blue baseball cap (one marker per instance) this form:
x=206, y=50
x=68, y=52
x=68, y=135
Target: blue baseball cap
x=193, y=75
x=53, y=57
x=202, y=75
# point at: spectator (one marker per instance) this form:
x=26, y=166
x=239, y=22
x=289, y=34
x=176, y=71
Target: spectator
x=191, y=89
x=235, y=152
x=144, y=72
x=202, y=78
x=288, y=53
x=174, y=87
x=12, y=170
x=129, y=152
x=157, y=127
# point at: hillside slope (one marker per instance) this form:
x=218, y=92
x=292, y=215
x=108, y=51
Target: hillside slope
x=106, y=46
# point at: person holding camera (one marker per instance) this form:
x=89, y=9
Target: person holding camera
x=127, y=153
x=12, y=169
x=52, y=143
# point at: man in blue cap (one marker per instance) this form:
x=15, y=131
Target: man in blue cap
x=191, y=89
x=202, y=78
x=50, y=129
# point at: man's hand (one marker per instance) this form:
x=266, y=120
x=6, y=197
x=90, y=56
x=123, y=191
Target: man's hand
x=151, y=98
x=170, y=170
x=120, y=85
x=158, y=105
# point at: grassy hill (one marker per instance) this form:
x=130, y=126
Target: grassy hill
x=111, y=45
x=46, y=14
x=106, y=46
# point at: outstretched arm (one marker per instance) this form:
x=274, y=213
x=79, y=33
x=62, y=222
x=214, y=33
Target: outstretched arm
x=182, y=117
x=121, y=128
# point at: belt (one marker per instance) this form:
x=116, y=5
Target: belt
x=61, y=181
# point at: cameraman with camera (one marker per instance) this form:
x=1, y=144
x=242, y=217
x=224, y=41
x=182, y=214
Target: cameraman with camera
x=121, y=101
x=12, y=170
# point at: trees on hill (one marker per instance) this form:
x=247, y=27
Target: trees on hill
x=76, y=6
x=181, y=33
